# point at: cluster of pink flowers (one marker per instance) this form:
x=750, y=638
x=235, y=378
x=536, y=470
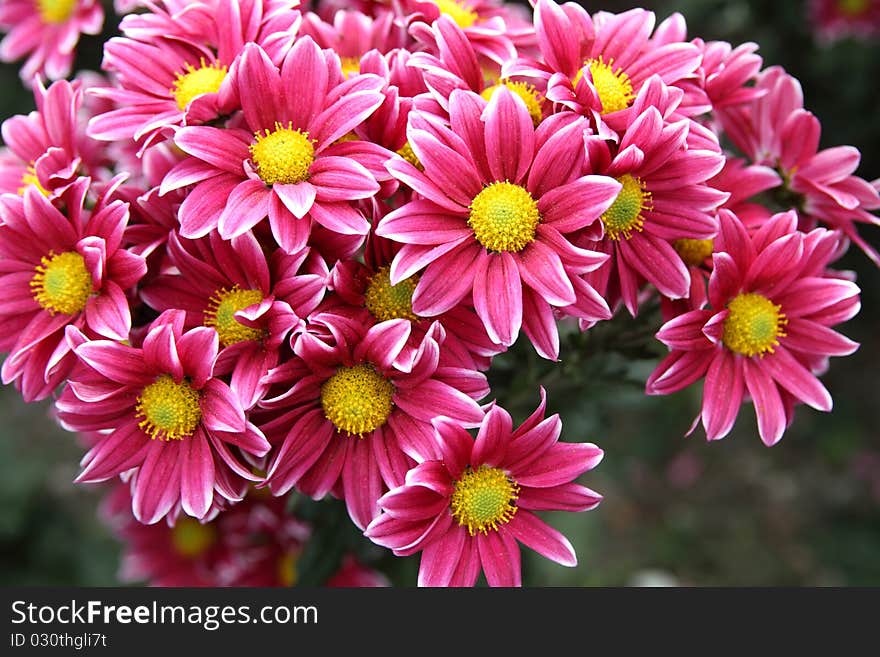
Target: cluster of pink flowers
x=275, y=250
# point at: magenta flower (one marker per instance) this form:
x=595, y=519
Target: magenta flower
x=231, y=287
x=178, y=77
x=166, y=419
x=768, y=326
x=495, y=217
x=466, y=511
x=284, y=164
x=837, y=19
x=664, y=197
x=57, y=271
x=46, y=32
x=354, y=410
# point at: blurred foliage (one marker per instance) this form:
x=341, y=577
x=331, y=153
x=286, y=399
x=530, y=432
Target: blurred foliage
x=676, y=510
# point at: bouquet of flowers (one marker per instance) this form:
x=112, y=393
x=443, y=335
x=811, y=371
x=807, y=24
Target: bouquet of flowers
x=269, y=252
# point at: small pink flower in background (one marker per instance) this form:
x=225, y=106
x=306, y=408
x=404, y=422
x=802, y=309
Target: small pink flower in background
x=767, y=327
x=46, y=32
x=353, y=409
x=168, y=422
x=467, y=511
x=251, y=303
x=353, y=574
x=833, y=20
x=57, y=271
x=494, y=218
x=283, y=165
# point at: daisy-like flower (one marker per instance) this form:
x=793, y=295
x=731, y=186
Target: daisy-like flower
x=46, y=32
x=768, y=324
x=57, y=271
x=165, y=419
x=663, y=198
x=284, y=164
x=353, y=410
x=177, y=78
x=230, y=286
x=255, y=542
x=494, y=216
x=776, y=131
x=467, y=511
x=597, y=65
x=837, y=19
x=44, y=146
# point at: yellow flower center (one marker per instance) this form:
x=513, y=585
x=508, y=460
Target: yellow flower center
x=694, y=252
x=357, y=400
x=531, y=96
x=386, y=301
x=460, y=12
x=504, y=217
x=205, y=79
x=614, y=87
x=350, y=66
x=287, y=569
x=408, y=154
x=625, y=214
x=169, y=410
x=221, y=310
x=30, y=178
x=62, y=284
x=191, y=538
x=753, y=326
x=853, y=7
x=483, y=499
x=283, y=155
x=55, y=11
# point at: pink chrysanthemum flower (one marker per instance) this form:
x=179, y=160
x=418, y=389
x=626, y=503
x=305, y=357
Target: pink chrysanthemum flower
x=352, y=34
x=495, y=215
x=57, y=271
x=284, y=163
x=768, y=324
x=776, y=131
x=256, y=542
x=44, y=146
x=837, y=19
x=251, y=303
x=182, y=79
x=46, y=32
x=664, y=197
x=466, y=511
x=597, y=65
x=366, y=293
x=164, y=416
x=354, y=409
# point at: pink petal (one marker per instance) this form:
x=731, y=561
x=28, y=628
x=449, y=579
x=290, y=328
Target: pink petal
x=579, y=203
x=118, y=362
x=722, y=394
x=221, y=409
x=115, y=453
x=788, y=372
x=440, y=558
x=247, y=206
x=542, y=538
x=492, y=437
x=510, y=136
x=498, y=296
x=541, y=269
x=361, y=483
x=446, y=280
x=500, y=558
x=157, y=483
x=197, y=475
x=768, y=402
x=108, y=313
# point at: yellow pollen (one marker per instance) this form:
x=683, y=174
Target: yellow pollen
x=614, y=87
x=283, y=155
x=55, y=11
x=169, y=410
x=196, y=81
x=483, y=499
x=191, y=538
x=531, y=96
x=350, y=66
x=357, y=400
x=753, y=325
x=221, y=310
x=460, y=12
x=386, y=301
x=504, y=217
x=62, y=284
x=30, y=178
x=853, y=7
x=287, y=569
x=694, y=252
x=408, y=154
x=625, y=214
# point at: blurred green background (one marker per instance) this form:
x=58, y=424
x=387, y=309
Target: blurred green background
x=676, y=510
